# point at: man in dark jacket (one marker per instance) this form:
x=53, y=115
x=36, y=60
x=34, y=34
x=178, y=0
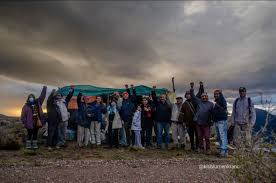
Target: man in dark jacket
x=126, y=112
x=187, y=112
x=163, y=110
x=220, y=120
x=203, y=119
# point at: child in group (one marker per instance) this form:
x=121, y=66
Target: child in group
x=136, y=127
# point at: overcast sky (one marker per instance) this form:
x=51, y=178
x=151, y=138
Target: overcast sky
x=225, y=44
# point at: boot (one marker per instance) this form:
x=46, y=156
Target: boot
x=28, y=144
x=34, y=144
x=183, y=146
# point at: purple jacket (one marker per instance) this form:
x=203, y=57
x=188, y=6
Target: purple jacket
x=27, y=114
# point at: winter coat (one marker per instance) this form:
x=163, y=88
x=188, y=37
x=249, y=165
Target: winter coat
x=162, y=110
x=128, y=107
x=27, y=114
x=136, y=121
x=57, y=109
x=203, y=114
x=114, y=117
x=82, y=114
x=188, y=111
x=219, y=112
x=147, y=117
x=98, y=110
x=61, y=104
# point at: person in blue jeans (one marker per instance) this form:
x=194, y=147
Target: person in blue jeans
x=220, y=119
x=163, y=109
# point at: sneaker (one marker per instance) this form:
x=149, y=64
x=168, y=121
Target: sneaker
x=34, y=144
x=159, y=147
x=232, y=147
x=28, y=144
x=50, y=148
x=57, y=147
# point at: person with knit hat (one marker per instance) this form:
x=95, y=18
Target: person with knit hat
x=186, y=115
x=203, y=119
x=32, y=117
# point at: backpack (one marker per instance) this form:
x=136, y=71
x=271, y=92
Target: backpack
x=249, y=105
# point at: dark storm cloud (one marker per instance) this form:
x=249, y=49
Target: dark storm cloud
x=115, y=36
x=225, y=44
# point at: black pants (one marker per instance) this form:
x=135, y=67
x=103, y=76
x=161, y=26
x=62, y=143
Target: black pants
x=129, y=134
x=52, y=134
x=32, y=133
x=193, y=136
x=113, y=136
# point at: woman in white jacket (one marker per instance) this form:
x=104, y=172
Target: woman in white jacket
x=136, y=127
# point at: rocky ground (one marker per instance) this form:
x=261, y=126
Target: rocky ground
x=169, y=170
x=99, y=164
x=106, y=165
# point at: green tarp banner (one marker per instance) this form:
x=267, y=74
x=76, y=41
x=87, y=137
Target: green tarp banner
x=89, y=90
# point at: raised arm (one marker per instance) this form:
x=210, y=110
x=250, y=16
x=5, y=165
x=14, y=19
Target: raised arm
x=70, y=95
x=133, y=97
x=42, y=96
x=79, y=99
x=194, y=98
x=50, y=99
x=154, y=96
x=201, y=90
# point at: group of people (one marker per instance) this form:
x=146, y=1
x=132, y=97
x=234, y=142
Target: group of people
x=131, y=122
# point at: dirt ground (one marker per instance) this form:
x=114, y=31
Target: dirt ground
x=109, y=165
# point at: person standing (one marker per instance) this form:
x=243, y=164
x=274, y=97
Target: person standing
x=136, y=127
x=178, y=127
x=98, y=109
x=127, y=111
x=62, y=105
x=220, y=120
x=32, y=117
x=114, y=124
x=187, y=114
x=162, y=117
x=147, y=122
x=53, y=119
x=203, y=119
x=243, y=118
x=84, y=115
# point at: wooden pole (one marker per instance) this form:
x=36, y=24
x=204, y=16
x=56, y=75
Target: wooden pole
x=173, y=84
